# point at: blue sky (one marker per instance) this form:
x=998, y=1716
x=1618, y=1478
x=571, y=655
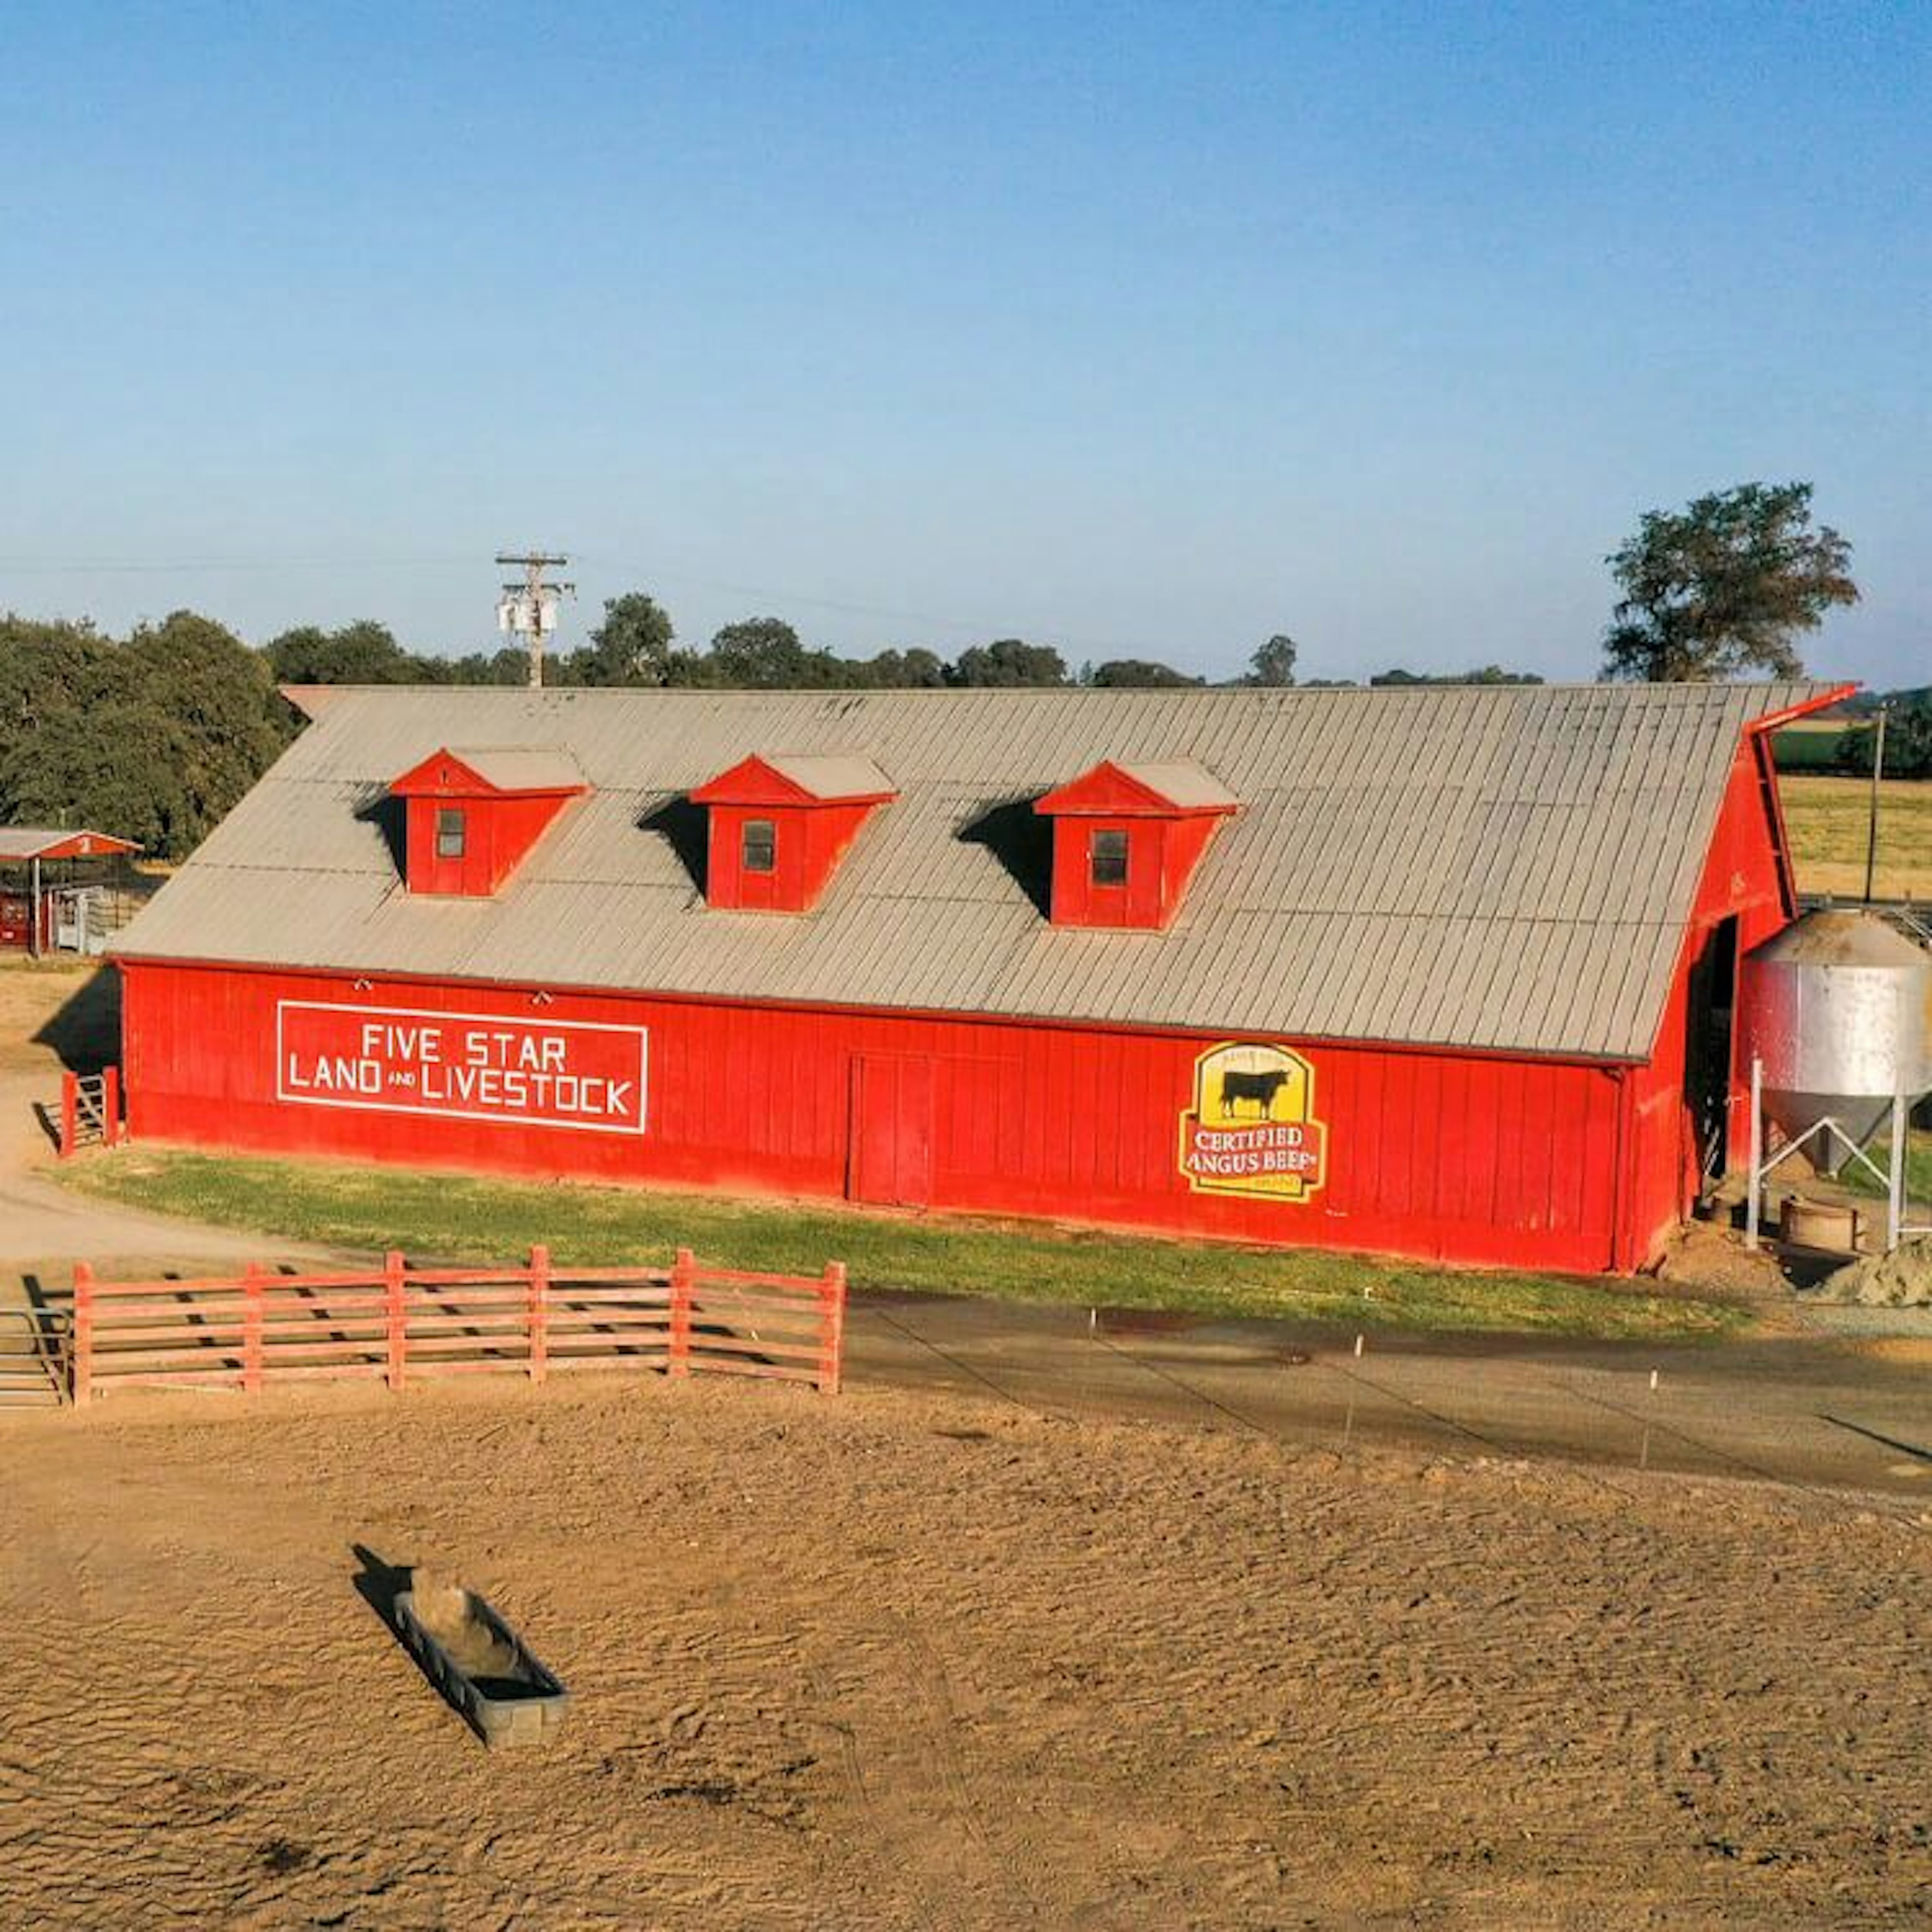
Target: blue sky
x=1140, y=330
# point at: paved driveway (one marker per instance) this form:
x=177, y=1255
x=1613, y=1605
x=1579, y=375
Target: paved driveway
x=1790, y=1409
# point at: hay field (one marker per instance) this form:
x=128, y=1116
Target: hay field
x=1826, y=818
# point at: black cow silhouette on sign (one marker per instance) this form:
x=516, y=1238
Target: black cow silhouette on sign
x=1259, y=1088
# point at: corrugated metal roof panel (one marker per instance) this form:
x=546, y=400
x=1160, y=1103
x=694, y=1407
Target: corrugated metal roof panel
x=521, y=767
x=831, y=779
x=1179, y=780
x=1506, y=868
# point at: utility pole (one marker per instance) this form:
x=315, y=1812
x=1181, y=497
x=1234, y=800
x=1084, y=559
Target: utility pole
x=529, y=609
x=1871, y=824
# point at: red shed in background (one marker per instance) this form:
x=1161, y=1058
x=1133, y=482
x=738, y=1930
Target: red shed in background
x=61, y=887
x=1444, y=973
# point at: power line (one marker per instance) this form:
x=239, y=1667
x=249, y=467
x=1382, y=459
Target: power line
x=104, y=567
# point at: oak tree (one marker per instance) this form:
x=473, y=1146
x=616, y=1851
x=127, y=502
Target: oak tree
x=1725, y=585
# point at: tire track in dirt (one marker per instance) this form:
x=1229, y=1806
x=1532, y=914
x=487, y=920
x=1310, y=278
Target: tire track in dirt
x=892, y=1662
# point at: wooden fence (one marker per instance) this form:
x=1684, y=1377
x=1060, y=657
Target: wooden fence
x=90, y=1115
x=399, y=1324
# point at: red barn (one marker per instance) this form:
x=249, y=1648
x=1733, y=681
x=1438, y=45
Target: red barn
x=1445, y=972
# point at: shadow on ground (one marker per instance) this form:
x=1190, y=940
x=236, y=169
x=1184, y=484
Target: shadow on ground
x=84, y=1033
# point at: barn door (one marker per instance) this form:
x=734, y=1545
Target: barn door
x=890, y=1159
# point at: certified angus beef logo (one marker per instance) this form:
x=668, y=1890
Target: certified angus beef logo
x=1252, y=1128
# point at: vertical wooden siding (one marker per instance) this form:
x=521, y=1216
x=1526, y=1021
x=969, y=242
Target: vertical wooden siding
x=1467, y=1157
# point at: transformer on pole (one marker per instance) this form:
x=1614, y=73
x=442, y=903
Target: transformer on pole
x=529, y=609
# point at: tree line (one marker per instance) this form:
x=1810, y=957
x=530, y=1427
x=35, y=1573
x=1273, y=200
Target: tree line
x=155, y=735
x=1908, y=738
x=635, y=645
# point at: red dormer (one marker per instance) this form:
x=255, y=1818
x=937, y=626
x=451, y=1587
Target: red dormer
x=473, y=812
x=1126, y=839
x=779, y=824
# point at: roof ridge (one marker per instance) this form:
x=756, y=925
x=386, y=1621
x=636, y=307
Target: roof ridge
x=1132, y=694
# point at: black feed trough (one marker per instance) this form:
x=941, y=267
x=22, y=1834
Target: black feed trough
x=473, y=1657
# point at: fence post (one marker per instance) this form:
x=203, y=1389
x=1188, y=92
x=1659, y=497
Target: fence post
x=110, y=1107
x=70, y=1126
x=80, y=1336
x=538, y=1315
x=681, y=1271
x=393, y=1308
x=251, y=1329
x=831, y=1328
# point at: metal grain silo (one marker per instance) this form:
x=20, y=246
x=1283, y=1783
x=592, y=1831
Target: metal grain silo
x=1837, y=1010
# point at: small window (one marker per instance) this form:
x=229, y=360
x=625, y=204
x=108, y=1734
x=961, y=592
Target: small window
x=757, y=851
x=1107, y=858
x=450, y=830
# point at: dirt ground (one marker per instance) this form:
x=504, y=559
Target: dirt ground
x=66, y=1013
x=54, y=1012
x=893, y=1661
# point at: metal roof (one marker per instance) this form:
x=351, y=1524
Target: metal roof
x=520, y=767
x=1180, y=781
x=1506, y=867
x=21, y=842
x=831, y=779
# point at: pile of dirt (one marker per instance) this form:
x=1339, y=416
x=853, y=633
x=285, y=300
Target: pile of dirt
x=1900, y=1279
x=1714, y=1261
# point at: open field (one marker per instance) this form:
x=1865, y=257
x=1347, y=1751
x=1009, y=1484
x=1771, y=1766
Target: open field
x=895, y=1661
x=1827, y=817
x=460, y=1219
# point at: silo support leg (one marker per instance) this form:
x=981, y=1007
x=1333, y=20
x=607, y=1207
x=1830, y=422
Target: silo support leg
x=1894, y=1205
x=1757, y=1161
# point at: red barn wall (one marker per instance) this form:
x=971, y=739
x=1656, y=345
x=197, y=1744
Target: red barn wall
x=1466, y=1157
x=1742, y=877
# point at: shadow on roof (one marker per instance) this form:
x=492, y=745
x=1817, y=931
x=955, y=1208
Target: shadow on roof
x=390, y=817
x=682, y=826
x=1022, y=842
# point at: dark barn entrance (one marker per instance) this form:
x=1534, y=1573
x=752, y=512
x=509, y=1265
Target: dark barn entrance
x=1707, y=1049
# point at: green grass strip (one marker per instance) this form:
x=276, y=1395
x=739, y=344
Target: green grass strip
x=460, y=1219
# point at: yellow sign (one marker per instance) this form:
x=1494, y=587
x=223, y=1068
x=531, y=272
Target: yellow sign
x=1252, y=1128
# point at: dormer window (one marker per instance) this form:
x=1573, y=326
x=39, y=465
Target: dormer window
x=1126, y=840
x=757, y=848
x=472, y=813
x=780, y=824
